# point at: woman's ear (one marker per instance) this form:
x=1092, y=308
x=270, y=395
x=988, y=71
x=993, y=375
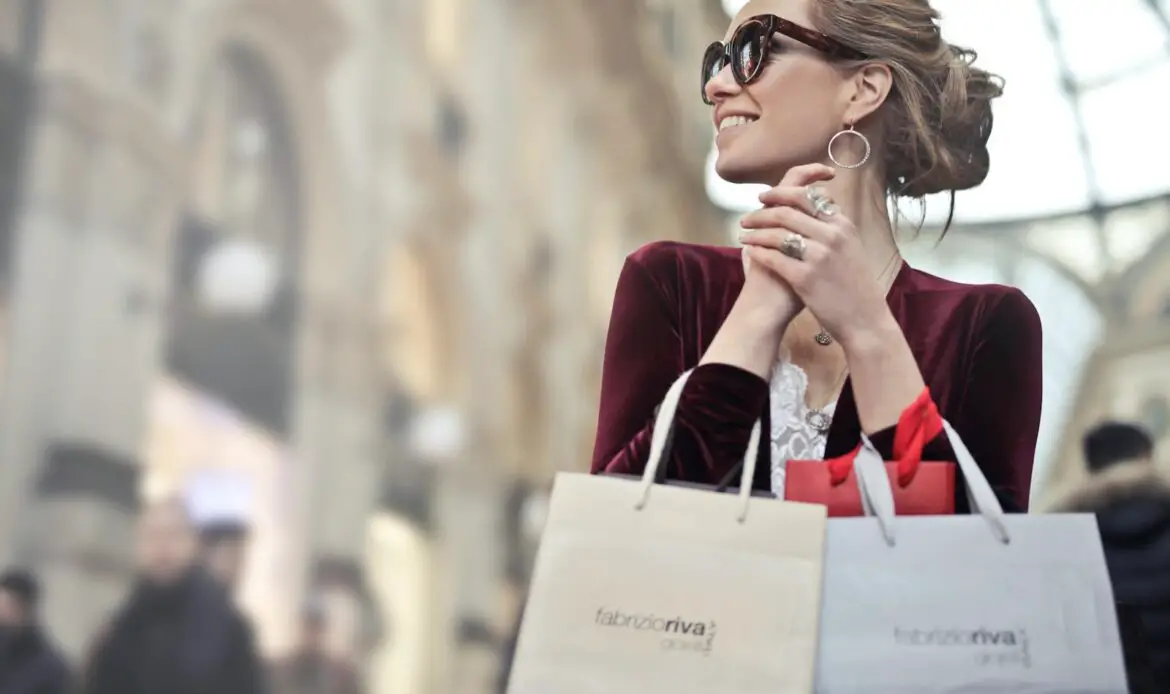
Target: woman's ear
x=871, y=84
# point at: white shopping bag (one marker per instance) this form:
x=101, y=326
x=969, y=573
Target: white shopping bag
x=641, y=588
x=982, y=604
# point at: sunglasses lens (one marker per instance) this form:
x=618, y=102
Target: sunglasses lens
x=712, y=64
x=748, y=49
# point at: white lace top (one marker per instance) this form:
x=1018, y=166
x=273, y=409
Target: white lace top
x=792, y=437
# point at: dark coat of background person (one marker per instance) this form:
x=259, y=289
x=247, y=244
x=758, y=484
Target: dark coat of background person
x=1132, y=505
x=314, y=673
x=29, y=664
x=186, y=638
x=311, y=668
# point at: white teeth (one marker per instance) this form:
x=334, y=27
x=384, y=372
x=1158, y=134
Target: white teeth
x=732, y=121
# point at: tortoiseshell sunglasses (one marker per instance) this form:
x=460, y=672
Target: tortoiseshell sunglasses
x=748, y=49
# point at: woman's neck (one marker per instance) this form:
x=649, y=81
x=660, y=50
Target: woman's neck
x=862, y=201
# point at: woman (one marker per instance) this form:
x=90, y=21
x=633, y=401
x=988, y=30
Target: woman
x=817, y=326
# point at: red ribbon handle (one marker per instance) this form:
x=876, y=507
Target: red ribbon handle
x=917, y=426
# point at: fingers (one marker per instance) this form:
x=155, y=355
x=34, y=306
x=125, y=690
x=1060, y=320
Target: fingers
x=789, y=196
x=773, y=240
x=807, y=174
x=785, y=219
x=792, y=271
x=789, y=210
x=792, y=192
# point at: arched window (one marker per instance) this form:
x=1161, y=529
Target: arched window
x=238, y=248
x=246, y=178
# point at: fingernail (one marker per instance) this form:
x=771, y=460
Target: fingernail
x=743, y=234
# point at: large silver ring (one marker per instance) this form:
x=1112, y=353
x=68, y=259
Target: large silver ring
x=793, y=246
x=822, y=204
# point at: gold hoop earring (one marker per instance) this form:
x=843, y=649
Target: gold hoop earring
x=864, y=141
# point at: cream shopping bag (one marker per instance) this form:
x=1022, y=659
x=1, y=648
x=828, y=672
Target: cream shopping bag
x=987, y=603
x=641, y=588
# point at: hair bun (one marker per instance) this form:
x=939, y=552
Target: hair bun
x=958, y=157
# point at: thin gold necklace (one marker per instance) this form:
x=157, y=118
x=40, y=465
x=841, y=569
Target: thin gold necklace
x=823, y=337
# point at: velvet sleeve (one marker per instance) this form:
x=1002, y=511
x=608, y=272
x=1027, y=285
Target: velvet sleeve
x=1000, y=416
x=645, y=352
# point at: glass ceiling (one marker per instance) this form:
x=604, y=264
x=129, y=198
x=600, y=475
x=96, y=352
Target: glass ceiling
x=1079, y=125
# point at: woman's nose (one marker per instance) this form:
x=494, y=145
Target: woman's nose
x=721, y=86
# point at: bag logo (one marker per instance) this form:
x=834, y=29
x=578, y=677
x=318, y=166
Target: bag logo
x=676, y=633
x=991, y=647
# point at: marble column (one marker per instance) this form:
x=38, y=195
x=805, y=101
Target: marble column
x=347, y=482
x=89, y=295
x=341, y=387
x=489, y=252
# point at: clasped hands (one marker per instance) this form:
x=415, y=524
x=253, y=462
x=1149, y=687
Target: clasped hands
x=802, y=239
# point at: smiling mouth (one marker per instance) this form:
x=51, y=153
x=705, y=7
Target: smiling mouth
x=735, y=121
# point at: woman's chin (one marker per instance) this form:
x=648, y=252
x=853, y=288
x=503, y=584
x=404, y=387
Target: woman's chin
x=737, y=172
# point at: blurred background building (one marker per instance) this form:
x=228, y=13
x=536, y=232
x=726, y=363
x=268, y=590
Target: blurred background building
x=352, y=260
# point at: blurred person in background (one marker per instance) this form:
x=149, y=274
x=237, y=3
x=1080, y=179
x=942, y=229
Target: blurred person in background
x=817, y=326
x=220, y=503
x=311, y=668
x=477, y=662
x=178, y=632
x=1131, y=499
x=224, y=551
x=29, y=663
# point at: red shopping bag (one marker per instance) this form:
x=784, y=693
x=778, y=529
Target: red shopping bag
x=920, y=488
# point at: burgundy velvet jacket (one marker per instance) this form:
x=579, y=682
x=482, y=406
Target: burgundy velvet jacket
x=978, y=347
